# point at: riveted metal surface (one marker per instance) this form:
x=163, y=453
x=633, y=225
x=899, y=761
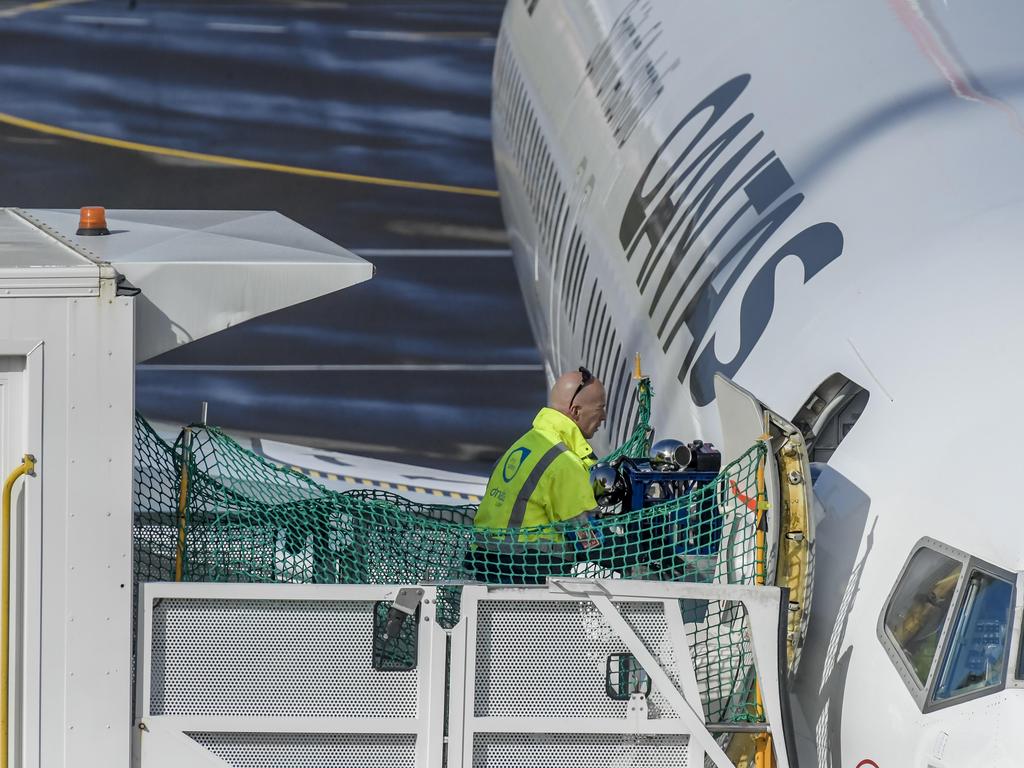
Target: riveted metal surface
x=549, y=659
x=571, y=750
x=258, y=657
x=303, y=750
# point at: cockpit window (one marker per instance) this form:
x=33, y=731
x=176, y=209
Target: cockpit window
x=976, y=655
x=946, y=626
x=918, y=608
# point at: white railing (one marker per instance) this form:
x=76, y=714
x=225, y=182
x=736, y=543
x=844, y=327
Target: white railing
x=536, y=683
x=285, y=675
x=581, y=673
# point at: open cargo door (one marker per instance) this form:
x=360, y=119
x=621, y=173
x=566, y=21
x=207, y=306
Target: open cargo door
x=789, y=536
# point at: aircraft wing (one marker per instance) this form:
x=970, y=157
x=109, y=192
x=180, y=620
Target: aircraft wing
x=343, y=471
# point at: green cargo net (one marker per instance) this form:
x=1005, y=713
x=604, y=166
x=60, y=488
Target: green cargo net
x=220, y=513
x=639, y=440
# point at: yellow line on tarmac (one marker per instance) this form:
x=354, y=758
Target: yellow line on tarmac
x=238, y=162
x=17, y=10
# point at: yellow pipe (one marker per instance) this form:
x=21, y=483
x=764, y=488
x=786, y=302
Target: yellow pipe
x=761, y=544
x=28, y=464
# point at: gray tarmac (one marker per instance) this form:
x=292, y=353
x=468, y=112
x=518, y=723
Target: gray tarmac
x=433, y=360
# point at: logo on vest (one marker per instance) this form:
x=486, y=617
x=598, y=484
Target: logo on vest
x=513, y=463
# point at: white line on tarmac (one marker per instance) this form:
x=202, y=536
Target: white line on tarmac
x=399, y=36
x=434, y=253
x=382, y=368
x=262, y=29
x=114, y=21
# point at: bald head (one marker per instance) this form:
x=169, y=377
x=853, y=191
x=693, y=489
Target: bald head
x=585, y=406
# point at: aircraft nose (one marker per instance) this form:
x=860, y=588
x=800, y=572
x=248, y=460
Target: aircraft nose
x=983, y=733
x=1004, y=749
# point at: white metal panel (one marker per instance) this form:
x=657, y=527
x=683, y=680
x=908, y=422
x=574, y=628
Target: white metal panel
x=164, y=747
x=20, y=434
x=153, y=236
x=574, y=750
x=203, y=271
x=742, y=417
x=266, y=675
x=95, y=562
x=763, y=606
x=291, y=656
x=24, y=246
x=302, y=750
x=528, y=675
x=545, y=658
x=743, y=422
x=49, y=321
x=71, y=618
x=35, y=264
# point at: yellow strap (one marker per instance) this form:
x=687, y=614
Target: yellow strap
x=179, y=554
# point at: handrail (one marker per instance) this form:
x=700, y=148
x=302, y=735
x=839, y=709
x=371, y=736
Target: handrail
x=28, y=464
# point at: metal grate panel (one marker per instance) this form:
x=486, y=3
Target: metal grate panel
x=304, y=750
x=549, y=658
x=300, y=658
x=555, y=750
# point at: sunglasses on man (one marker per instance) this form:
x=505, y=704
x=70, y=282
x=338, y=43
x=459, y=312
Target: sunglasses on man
x=585, y=378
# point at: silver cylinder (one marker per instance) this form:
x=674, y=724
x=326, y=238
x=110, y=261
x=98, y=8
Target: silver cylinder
x=608, y=486
x=670, y=454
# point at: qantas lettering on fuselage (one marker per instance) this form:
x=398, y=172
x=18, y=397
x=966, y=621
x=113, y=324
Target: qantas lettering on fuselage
x=666, y=216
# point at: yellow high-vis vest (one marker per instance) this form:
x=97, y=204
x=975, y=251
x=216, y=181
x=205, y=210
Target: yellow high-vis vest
x=543, y=478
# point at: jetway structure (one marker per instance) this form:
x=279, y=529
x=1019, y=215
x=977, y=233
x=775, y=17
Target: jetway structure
x=76, y=314
x=579, y=673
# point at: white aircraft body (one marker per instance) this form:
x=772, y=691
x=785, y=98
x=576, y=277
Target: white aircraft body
x=823, y=202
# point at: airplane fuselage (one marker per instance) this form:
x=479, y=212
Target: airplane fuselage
x=785, y=194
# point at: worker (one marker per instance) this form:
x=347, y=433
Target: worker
x=542, y=480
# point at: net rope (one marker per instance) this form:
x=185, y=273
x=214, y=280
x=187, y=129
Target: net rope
x=230, y=515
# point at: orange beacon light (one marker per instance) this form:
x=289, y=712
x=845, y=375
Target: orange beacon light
x=92, y=220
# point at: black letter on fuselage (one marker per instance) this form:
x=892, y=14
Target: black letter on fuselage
x=706, y=301
x=714, y=185
x=633, y=218
x=817, y=246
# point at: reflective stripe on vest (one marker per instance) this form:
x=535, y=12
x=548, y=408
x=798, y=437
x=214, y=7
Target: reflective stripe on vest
x=515, y=520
